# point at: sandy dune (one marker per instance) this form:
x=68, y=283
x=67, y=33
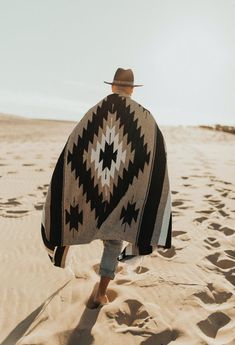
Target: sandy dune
x=182, y=296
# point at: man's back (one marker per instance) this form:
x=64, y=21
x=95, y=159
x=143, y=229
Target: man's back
x=111, y=176
x=111, y=180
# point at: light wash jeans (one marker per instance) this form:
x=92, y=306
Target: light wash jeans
x=109, y=262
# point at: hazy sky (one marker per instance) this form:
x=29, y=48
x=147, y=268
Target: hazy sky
x=55, y=55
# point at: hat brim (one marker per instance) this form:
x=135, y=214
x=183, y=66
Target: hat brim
x=106, y=82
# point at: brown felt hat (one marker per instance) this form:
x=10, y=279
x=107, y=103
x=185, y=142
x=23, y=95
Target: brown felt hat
x=123, y=77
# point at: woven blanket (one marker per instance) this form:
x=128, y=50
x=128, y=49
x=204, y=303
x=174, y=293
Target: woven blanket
x=110, y=182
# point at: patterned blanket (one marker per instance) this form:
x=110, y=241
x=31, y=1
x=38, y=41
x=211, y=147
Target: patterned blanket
x=110, y=182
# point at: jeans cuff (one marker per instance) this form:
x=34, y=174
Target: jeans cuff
x=106, y=273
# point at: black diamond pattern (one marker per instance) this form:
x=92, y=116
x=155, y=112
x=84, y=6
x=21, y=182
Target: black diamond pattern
x=73, y=217
x=108, y=155
x=129, y=213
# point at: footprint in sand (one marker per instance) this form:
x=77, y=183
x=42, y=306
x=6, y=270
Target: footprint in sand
x=205, y=211
x=168, y=253
x=230, y=276
x=218, y=206
x=207, y=195
x=174, y=192
x=163, y=338
x=223, y=263
x=11, y=202
x=9, y=210
x=180, y=203
x=214, y=226
x=176, y=233
x=230, y=253
x=224, y=182
x=226, y=230
x=12, y=172
x=212, y=241
x=141, y=269
x=176, y=213
x=200, y=219
x=43, y=188
x=28, y=164
x=212, y=295
x=39, y=206
x=213, y=324
x=14, y=213
x=177, y=203
x=17, y=212
x=123, y=281
x=182, y=235
x=223, y=214
x=131, y=317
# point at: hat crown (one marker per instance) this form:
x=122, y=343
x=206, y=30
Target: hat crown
x=124, y=75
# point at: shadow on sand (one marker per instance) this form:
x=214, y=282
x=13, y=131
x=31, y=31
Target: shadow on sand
x=21, y=329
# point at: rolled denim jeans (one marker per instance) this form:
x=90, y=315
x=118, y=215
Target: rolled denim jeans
x=109, y=262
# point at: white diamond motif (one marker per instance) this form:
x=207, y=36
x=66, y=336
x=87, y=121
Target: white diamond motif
x=106, y=174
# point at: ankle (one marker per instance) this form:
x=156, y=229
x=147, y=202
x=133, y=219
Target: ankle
x=101, y=291
x=100, y=294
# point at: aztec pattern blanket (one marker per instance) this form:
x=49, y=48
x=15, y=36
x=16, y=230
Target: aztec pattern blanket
x=110, y=182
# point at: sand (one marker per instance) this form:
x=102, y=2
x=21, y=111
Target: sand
x=183, y=295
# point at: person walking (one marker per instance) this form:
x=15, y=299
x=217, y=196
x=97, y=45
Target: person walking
x=110, y=183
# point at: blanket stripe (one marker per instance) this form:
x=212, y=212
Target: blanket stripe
x=56, y=195
x=154, y=193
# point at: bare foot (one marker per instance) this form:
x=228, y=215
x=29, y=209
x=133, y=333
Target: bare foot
x=101, y=300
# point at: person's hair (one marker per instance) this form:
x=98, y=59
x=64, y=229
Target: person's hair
x=122, y=88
